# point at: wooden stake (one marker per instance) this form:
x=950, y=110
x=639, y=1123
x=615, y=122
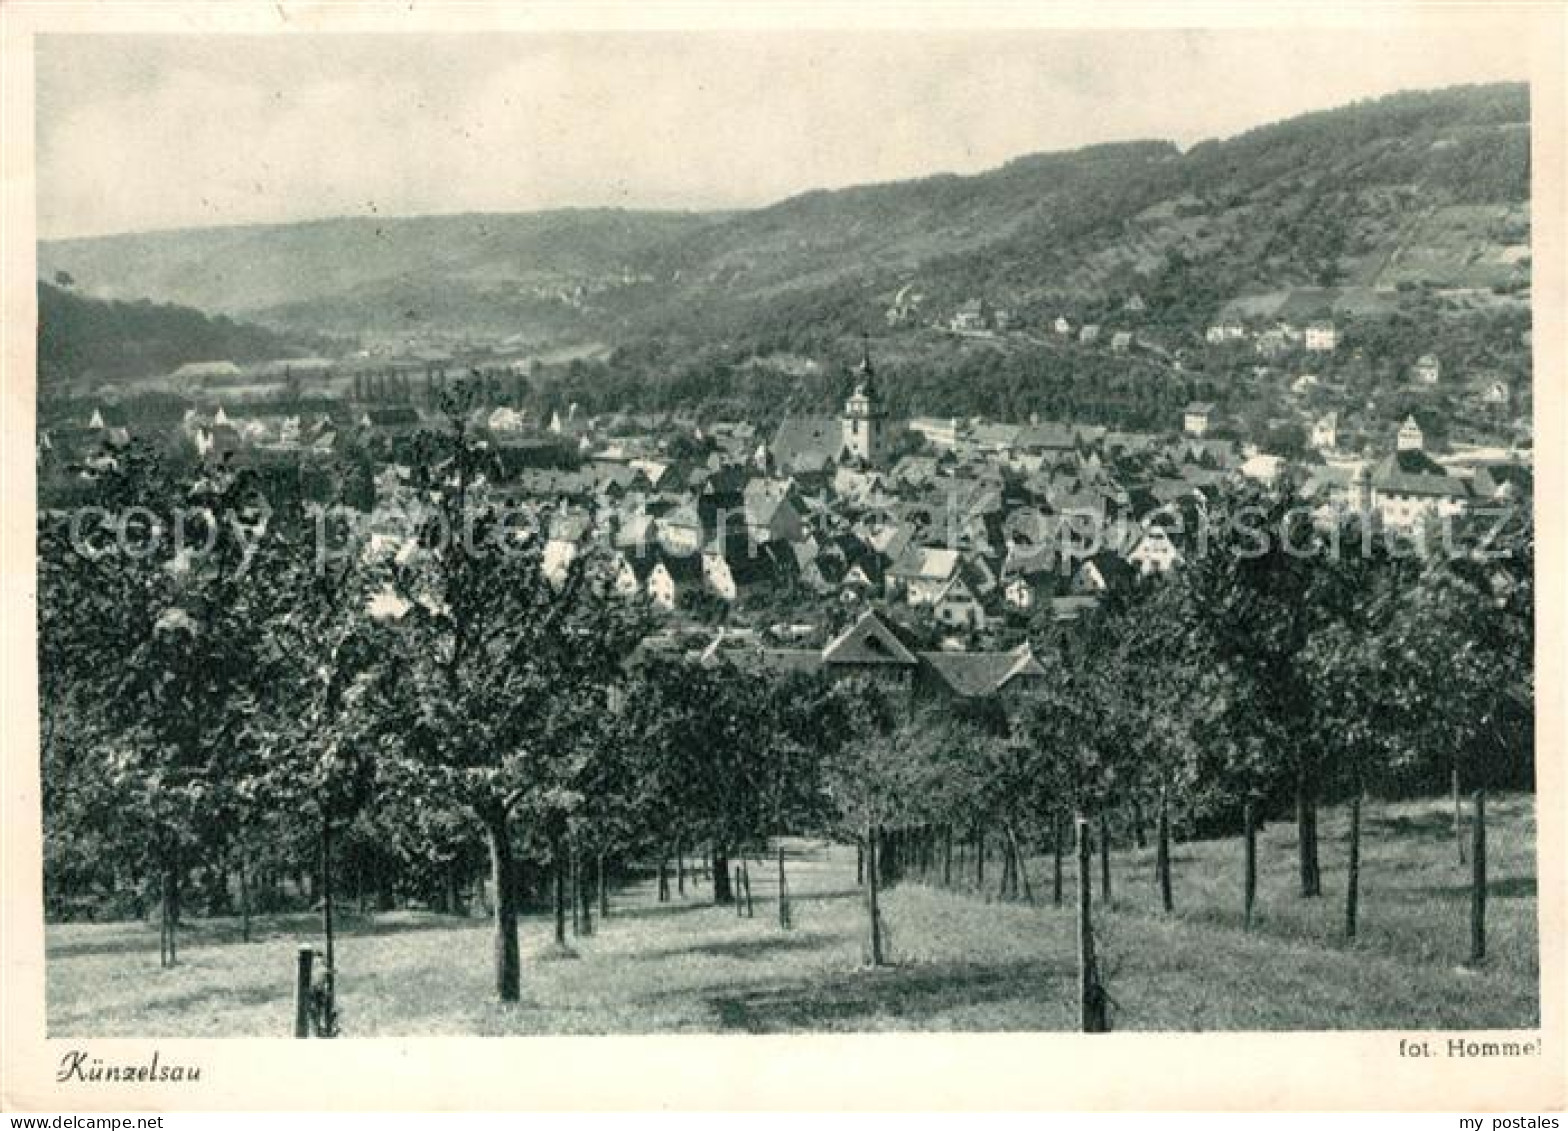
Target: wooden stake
x=1250, y=838
x=303, y=962
x=873, y=912
x=1478, y=881
x=1353, y=874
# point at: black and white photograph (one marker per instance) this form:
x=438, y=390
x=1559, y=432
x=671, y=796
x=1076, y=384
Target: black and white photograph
x=784, y=531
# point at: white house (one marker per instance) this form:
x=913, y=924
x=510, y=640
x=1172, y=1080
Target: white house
x=1428, y=369
x=1195, y=419
x=1322, y=337
x=924, y=572
x=1410, y=438
x=1325, y=433
x=940, y=432
x=1155, y=552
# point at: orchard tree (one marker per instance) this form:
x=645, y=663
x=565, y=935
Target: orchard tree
x=498, y=667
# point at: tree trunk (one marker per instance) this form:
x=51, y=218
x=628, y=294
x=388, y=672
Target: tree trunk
x=680, y=871
x=1459, y=815
x=1091, y=996
x=1056, y=860
x=1020, y=874
x=244, y=871
x=1250, y=883
x=560, y=896
x=980, y=859
x=328, y=926
x=1478, y=881
x=1353, y=873
x=508, y=962
x=786, y=918
x=585, y=896
x=600, y=889
x=664, y=880
x=860, y=864
x=745, y=884
x=1105, y=860
x=947, y=856
x=1004, y=883
x=873, y=911
x=1138, y=837
x=1162, y=851
x=722, y=892
x=1307, y=835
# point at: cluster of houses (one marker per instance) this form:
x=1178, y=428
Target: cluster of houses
x=1315, y=337
x=977, y=524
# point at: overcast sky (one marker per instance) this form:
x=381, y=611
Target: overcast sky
x=193, y=131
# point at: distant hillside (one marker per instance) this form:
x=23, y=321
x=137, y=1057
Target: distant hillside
x=86, y=337
x=351, y=274
x=1416, y=189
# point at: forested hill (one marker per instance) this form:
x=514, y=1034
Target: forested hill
x=1419, y=188
x=80, y=336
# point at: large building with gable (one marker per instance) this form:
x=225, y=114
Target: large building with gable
x=874, y=649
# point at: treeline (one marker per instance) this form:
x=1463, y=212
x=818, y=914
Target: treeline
x=80, y=336
x=391, y=716
x=1089, y=385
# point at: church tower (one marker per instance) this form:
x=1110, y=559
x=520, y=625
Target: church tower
x=865, y=421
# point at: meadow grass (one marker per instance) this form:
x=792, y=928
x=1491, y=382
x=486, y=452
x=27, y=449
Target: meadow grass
x=961, y=959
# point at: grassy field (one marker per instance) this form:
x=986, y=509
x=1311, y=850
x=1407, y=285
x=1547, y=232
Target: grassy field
x=961, y=960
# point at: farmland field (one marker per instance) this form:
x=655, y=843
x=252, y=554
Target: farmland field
x=960, y=960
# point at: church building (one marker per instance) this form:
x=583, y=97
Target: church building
x=864, y=422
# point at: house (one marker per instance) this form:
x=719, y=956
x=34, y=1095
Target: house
x=991, y=439
x=939, y=432
x=207, y=371
x=874, y=649
x=972, y=315
x=736, y=568
x=1272, y=343
x=1101, y=572
x=1225, y=331
x=1023, y=592
x=1121, y=341
x=1089, y=334
x=1410, y=438
x=1321, y=337
x=979, y=675
x=385, y=420
x=922, y=573
x=1428, y=369
x=1155, y=552
x=1047, y=437
x=671, y=577
x=1408, y=487
x=1195, y=418
x=1062, y=327
x=1262, y=467
x=1135, y=304
x=957, y=605
x=1304, y=384
x=806, y=443
x=1496, y=393
x=1065, y=610
x=772, y=511
x=1325, y=433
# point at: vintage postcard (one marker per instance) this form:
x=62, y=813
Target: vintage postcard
x=783, y=556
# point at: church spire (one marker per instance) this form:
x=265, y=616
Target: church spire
x=865, y=373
